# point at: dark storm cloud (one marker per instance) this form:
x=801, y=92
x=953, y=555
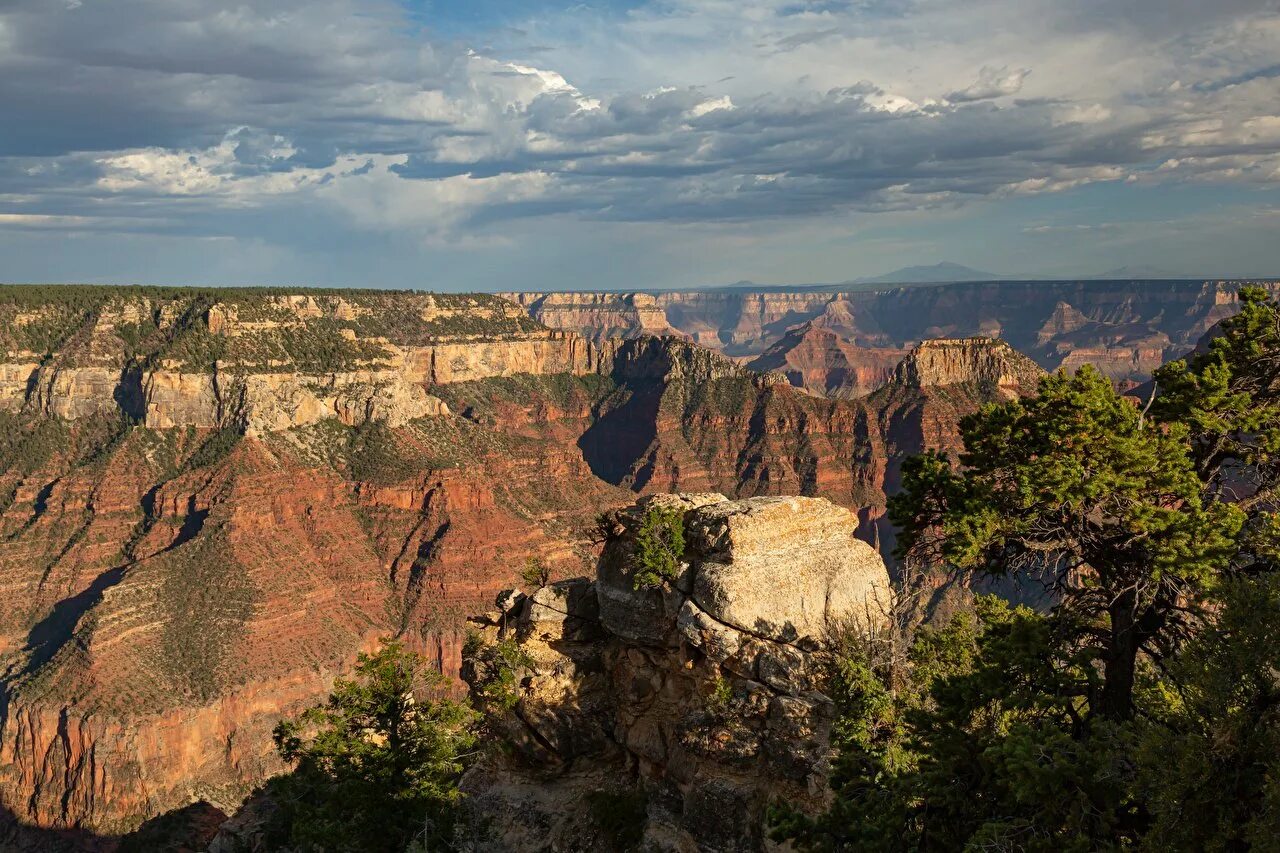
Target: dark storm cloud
x=104, y=76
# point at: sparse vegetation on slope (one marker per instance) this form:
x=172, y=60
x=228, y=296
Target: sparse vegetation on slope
x=314, y=330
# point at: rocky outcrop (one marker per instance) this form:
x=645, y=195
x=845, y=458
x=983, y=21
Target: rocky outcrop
x=75, y=392
x=683, y=419
x=822, y=362
x=600, y=316
x=260, y=403
x=698, y=701
x=980, y=362
x=481, y=358
x=670, y=360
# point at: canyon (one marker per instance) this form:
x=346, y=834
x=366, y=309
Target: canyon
x=844, y=342
x=212, y=500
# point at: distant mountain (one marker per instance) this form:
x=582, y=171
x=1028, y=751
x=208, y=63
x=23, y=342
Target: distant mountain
x=943, y=272
x=1139, y=272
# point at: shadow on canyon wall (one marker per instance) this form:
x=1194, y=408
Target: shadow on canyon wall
x=620, y=437
x=189, y=829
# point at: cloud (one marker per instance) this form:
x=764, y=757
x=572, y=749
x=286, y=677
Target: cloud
x=991, y=83
x=796, y=40
x=355, y=117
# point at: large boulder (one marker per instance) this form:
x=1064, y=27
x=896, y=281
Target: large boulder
x=644, y=616
x=786, y=569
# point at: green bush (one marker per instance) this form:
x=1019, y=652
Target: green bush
x=498, y=667
x=378, y=764
x=721, y=695
x=535, y=573
x=659, y=546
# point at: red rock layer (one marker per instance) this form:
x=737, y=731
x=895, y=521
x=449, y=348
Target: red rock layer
x=170, y=617
x=822, y=362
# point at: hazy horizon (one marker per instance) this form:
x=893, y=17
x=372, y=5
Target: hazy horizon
x=741, y=286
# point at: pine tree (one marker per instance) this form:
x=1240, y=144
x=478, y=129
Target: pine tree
x=1075, y=488
x=377, y=765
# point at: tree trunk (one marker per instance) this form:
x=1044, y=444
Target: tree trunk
x=1122, y=659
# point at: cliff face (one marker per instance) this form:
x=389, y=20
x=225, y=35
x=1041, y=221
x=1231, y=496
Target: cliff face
x=598, y=316
x=171, y=605
x=737, y=322
x=983, y=362
x=711, y=425
x=262, y=361
x=931, y=390
x=821, y=361
x=697, y=704
x=1127, y=329
x=210, y=501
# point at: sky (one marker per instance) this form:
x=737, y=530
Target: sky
x=533, y=144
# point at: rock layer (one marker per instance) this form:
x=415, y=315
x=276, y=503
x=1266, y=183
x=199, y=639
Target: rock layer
x=267, y=362
x=983, y=362
x=1126, y=328
x=821, y=361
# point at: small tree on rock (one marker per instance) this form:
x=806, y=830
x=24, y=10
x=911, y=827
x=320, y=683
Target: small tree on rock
x=659, y=546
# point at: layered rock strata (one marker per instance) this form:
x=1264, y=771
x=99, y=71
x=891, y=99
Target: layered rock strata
x=820, y=361
x=599, y=316
x=1126, y=328
x=268, y=362
x=982, y=362
x=700, y=699
x=211, y=501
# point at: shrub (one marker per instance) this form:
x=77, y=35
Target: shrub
x=659, y=546
x=498, y=667
x=721, y=695
x=535, y=573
